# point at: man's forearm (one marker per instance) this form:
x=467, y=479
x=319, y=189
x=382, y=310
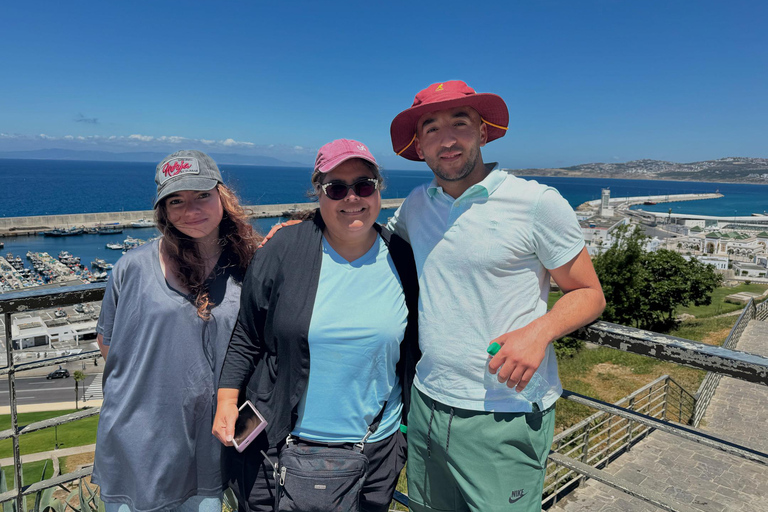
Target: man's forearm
x=575, y=309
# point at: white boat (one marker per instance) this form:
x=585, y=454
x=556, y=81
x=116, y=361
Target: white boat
x=115, y=247
x=101, y=264
x=143, y=223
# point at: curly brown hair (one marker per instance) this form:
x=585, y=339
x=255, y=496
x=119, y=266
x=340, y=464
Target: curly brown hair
x=236, y=236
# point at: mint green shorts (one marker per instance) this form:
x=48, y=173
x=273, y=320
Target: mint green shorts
x=461, y=460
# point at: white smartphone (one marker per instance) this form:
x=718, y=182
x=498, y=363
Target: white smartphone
x=248, y=425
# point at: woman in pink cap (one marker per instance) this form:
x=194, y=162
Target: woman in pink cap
x=325, y=345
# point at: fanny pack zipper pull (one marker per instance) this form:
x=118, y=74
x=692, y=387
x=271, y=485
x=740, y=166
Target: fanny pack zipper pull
x=283, y=471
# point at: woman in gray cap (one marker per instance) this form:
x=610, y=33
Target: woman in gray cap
x=167, y=315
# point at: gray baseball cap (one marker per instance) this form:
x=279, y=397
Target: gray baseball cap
x=187, y=169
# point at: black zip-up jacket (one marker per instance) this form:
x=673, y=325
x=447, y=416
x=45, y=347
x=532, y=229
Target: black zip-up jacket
x=269, y=351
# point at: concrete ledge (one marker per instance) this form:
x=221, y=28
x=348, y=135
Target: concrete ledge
x=15, y=226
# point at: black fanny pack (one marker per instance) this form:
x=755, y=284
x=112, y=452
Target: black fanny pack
x=319, y=477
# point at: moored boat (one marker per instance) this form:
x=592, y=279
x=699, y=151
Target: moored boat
x=143, y=223
x=101, y=264
x=109, y=230
x=64, y=232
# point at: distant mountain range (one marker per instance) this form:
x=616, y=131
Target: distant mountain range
x=732, y=169
x=107, y=156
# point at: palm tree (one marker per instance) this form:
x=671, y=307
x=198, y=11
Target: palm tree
x=78, y=376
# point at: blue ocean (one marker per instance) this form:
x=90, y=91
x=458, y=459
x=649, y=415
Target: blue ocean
x=51, y=187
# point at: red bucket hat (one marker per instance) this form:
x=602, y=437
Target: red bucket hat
x=441, y=96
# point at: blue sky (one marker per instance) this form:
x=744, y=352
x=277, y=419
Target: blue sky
x=586, y=81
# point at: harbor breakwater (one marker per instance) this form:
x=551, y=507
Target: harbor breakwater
x=23, y=226
x=635, y=200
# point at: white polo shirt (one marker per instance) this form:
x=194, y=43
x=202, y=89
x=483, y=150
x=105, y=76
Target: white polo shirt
x=482, y=261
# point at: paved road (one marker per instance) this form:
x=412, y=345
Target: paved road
x=39, y=390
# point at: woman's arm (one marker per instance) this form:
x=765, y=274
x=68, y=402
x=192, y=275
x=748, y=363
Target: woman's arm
x=244, y=349
x=104, y=349
x=226, y=415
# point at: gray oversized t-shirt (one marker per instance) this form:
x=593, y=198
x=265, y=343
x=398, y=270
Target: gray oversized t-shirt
x=154, y=447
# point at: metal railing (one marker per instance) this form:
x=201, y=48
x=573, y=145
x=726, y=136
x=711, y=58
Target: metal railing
x=24, y=302
x=602, y=437
x=709, y=385
x=582, y=450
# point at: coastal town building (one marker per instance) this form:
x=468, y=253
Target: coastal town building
x=28, y=332
x=598, y=232
x=719, y=262
x=744, y=269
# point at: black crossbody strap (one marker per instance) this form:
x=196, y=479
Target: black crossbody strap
x=373, y=426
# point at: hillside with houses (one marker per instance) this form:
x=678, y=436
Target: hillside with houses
x=731, y=169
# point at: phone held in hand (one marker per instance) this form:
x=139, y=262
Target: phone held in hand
x=248, y=425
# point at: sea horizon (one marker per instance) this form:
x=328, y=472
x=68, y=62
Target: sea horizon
x=56, y=187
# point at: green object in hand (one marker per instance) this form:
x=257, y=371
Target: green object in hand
x=404, y=429
x=493, y=348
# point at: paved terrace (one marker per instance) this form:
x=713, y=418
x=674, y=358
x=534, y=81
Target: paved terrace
x=704, y=478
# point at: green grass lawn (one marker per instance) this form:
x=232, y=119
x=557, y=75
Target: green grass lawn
x=76, y=433
x=718, y=306
x=609, y=374
x=553, y=296
x=32, y=472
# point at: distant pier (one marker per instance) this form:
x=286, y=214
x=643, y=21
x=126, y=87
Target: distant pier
x=635, y=200
x=24, y=226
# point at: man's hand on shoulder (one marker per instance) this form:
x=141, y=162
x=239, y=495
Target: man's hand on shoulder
x=520, y=355
x=276, y=228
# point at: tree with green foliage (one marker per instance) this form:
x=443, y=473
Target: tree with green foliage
x=644, y=289
x=78, y=376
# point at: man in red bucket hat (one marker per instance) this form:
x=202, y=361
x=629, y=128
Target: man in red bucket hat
x=486, y=244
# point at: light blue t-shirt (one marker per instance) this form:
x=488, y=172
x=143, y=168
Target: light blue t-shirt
x=358, y=322
x=483, y=261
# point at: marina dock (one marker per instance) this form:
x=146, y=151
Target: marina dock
x=27, y=226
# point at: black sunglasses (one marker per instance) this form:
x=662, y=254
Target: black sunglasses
x=338, y=190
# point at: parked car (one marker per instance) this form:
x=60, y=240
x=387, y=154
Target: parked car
x=61, y=373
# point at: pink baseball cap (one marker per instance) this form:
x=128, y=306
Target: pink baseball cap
x=334, y=153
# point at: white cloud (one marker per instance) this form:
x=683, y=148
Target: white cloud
x=231, y=143
x=141, y=142
x=143, y=138
x=171, y=139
